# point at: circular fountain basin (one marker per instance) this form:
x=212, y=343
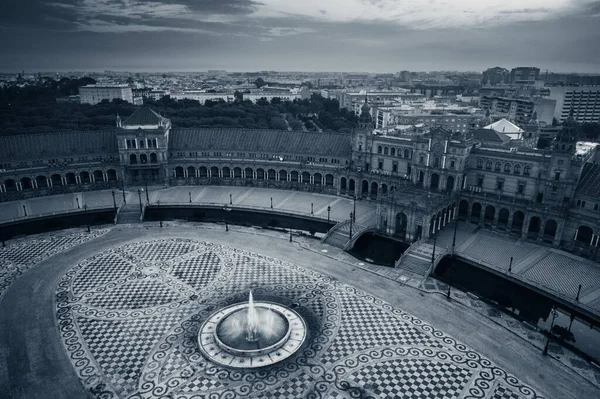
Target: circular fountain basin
x=280, y=333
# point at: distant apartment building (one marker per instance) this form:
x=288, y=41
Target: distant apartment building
x=494, y=76
x=351, y=101
x=94, y=94
x=524, y=75
x=585, y=101
x=570, y=79
x=519, y=110
x=269, y=96
x=201, y=96
x=449, y=121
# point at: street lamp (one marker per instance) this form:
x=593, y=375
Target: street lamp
x=554, y=314
x=123, y=188
x=230, y=201
x=159, y=212
x=114, y=200
x=77, y=199
x=351, y=215
x=510, y=265
x=147, y=198
x=190, y=195
x=271, y=202
x=578, y=292
x=87, y=220
x=311, y=208
x=354, y=209
x=328, y=212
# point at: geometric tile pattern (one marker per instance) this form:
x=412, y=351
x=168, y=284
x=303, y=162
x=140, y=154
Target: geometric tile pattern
x=412, y=378
x=129, y=319
x=17, y=258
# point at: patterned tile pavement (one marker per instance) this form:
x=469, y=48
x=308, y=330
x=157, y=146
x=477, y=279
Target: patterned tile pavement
x=17, y=258
x=131, y=332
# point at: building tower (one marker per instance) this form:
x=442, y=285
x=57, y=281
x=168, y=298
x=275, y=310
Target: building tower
x=365, y=121
x=532, y=132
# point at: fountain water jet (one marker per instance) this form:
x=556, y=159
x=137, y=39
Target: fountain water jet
x=251, y=334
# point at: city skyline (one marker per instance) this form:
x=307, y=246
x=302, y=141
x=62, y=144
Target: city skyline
x=247, y=35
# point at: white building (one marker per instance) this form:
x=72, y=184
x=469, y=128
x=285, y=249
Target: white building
x=202, y=96
x=94, y=94
x=283, y=96
x=585, y=101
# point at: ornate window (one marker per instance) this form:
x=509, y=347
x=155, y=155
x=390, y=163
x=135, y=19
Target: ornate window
x=379, y=149
x=507, y=167
x=517, y=169
x=497, y=167
x=488, y=165
x=527, y=170
x=480, y=164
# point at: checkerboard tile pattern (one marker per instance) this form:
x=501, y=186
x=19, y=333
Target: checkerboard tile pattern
x=135, y=294
x=366, y=326
x=503, y=392
x=412, y=378
x=162, y=250
x=100, y=272
x=198, y=272
x=139, y=345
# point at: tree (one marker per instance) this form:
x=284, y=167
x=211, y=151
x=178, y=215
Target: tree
x=262, y=102
x=259, y=82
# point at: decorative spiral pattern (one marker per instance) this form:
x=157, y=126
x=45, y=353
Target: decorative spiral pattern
x=129, y=319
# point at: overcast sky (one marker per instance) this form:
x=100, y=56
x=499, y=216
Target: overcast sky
x=299, y=35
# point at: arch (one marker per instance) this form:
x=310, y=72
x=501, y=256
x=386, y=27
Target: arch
x=517, y=169
x=249, y=173
x=202, y=171
x=283, y=175
x=179, y=172
x=463, y=209
x=111, y=174
x=384, y=188
x=305, y=177
x=318, y=178
x=393, y=151
x=374, y=189
x=527, y=170
x=294, y=176
x=386, y=150
x=436, y=162
x=143, y=158
x=132, y=159
x=260, y=174
x=56, y=179
x=41, y=181
x=329, y=179
x=351, y=185
x=343, y=184
x=271, y=174
x=365, y=187
x=488, y=215
x=518, y=220
x=10, y=185
x=226, y=172
x=84, y=176
x=71, y=179
x=535, y=224
x=498, y=166
x=507, y=167
x=435, y=182
x=401, y=224
x=214, y=171
x=237, y=172
x=550, y=229
x=406, y=153
x=476, y=212
x=584, y=234
x=379, y=149
x=503, y=216
x=449, y=184
x=488, y=165
x=98, y=175
x=191, y=171
x=26, y=183
x=153, y=157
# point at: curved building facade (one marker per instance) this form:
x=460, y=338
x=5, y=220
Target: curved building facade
x=420, y=182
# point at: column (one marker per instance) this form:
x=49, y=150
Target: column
x=19, y=186
x=185, y=173
x=92, y=178
x=254, y=175
x=541, y=234
x=105, y=176
x=289, y=177
x=311, y=179
x=220, y=172
x=277, y=176
x=558, y=234
x=34, y=183
x=243, y=173
x=2, y=188
x=77, y=179
x=197, y=172
x=49, y=182
x=525, y=227
x=322, y=180
x=510, y=220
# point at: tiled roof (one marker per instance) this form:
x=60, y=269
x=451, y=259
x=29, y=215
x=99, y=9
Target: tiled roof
x=57, y=144
x=589, y=180
x=489, y=135
x=261, y=140
x=143, y=117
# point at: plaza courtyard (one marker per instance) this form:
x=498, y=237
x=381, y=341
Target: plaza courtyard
x=115, y=313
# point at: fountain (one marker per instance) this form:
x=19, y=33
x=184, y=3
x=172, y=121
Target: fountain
x=252, y=334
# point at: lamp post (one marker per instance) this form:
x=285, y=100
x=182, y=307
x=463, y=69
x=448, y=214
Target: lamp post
x=230, y=199
x=147, y=198
x=140, y=197
x=510, y=265
x=311, y=209
x=114, y=200
x=190, y=196
x=159, y=213
x=87, y=217
x=290, y=234
x=271, y=202
x=354, y=209
x=77, y=199
x=454, y=236
x=123, y=190
x=578, y=292
x=328, y=212
x=554, y=314
x=350, y=237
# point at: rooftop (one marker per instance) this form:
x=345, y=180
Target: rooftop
x=589, y=180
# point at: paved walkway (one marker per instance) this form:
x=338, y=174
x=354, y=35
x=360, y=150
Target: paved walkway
x=32, y=366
